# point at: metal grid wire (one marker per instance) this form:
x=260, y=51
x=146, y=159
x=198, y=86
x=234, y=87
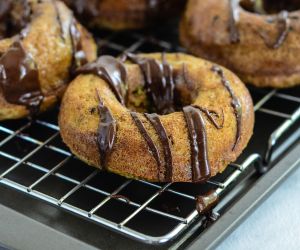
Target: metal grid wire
x=35, y=161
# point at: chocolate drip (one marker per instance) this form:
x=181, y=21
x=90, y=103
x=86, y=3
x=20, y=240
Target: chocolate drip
x=152, y=148
x=283, y=22
x=204, y=203
x=210, y=115
x=159, y=82
x=235, y=103
x=79, y=56
x=233, y=20
x=163, y=137
x=198, y=141
x=112, y=71
x=19, y=78
x=59, y=21
x=106, y=132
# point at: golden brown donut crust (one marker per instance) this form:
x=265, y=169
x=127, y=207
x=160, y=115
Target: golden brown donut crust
x=204, y=31
x=130, y=157
x=127, y=14
x=51, y=53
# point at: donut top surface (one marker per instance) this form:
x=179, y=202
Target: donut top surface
x=162, y=91
x=19, y=72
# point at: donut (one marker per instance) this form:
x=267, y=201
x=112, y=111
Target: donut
x=157, y=117
x=256, y=39
x=125, y=14
x=41, y=45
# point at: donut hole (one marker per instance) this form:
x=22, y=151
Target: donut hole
x=269, y=6
x=184, y=95
x=14, y=16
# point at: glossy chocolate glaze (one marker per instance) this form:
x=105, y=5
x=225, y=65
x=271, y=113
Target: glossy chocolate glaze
x=113, y=71
x=19, y=78
x=107, y=131
x=79, y=56
x=235, y=103
x=152, y=148
x=198, y=141
x=159, y=82
x=211, y=116
x=163, y=137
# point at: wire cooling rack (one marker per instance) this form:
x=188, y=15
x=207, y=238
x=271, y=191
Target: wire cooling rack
x=34, y=160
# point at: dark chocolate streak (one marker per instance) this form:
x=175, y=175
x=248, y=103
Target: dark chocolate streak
x=198, y=140
x=284, y=25
x=19, y=78
x=152, y=148
x=59, y=21
x=235, y=103
x=106, y=132
x=210, y=116
x=159, y=82
x=79, y=56
x=284, y=28
x=233, y=20
x=112, y=71
x=163, y=137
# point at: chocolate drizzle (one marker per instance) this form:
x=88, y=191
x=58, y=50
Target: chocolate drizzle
x=106, y=132
x=112, y=71
x=211, y=116
x=162, y=134
x=235, y=103
x=152, y=148
x=233, y=20
x=79, y=56
x=159, y=82
x=283, y=27
x=197, y=134
x=282, y=19
x=284, y=24
x=59, y=21
x=19, y=78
